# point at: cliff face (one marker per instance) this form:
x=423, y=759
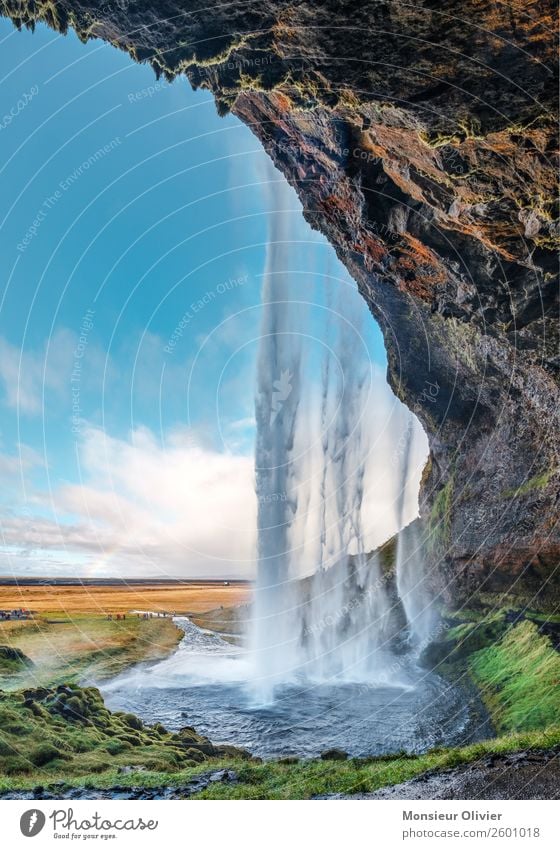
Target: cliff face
x=420, y=138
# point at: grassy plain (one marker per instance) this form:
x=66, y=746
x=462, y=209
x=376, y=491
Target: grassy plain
x=70, y=637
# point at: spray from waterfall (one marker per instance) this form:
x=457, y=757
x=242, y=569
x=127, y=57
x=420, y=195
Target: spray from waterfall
x=324, y=609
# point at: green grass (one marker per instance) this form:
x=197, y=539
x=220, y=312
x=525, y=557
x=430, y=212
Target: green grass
x=312, y=778
x=450, y=653
x=519, y=678
x=82, y=646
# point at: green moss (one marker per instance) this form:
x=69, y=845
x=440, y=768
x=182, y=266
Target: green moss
x=388, y=555
x=116, y=747
x=43, y=753
x=449, y=654
x=439, y=526
x=537, y=482
x=61, y=740
x=133, y=721
x=275, y=780
x=519, y=678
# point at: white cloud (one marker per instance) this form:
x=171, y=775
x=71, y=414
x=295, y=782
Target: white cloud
x=145, y=508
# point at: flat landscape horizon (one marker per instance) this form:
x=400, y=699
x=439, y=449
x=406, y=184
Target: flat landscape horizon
x=102, y=597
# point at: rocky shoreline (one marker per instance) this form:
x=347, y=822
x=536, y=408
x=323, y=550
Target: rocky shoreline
x=531, y=774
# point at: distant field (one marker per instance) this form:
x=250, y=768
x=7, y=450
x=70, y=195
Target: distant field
x=71, y=637
x=79, y=646
x=171, y=597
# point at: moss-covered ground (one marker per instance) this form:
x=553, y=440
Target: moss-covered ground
x=519, y=679
x=66, y=732
x=40, y=748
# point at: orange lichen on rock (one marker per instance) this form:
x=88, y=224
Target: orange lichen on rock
x=419, y=269
x=373, y=251
x=281, y=101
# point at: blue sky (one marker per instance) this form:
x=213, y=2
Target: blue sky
x=133, y=226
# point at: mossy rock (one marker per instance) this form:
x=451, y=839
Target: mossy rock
x=69, y=731
x=37, y=693
x=233, y=752
x=463, y=641
x=334, y=755
x=15, y=765
x=76, y=706
x=133, y=721
x=14, y=656
x=43, y=754
x=133, y=739
x=117, y=747
x=188, y=737
x=195, y=755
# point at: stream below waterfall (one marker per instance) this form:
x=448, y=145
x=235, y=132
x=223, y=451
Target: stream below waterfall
x=207, y=683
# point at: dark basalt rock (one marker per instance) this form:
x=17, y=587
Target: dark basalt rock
x=421, y=140
x=334, y=755
x=14, y=656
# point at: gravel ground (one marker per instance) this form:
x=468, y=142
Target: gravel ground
x=519, y=775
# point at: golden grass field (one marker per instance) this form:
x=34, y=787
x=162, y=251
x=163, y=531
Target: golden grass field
x=165, y=598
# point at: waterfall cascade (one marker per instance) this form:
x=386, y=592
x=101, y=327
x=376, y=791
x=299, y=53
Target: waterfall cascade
x=349, y=619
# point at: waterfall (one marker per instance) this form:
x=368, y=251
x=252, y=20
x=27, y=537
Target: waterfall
x=324, y=609
x=410, y=567
x=276, y=408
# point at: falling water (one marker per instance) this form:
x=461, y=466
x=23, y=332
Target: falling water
x=276, y=407
x=344, y=621
x=348, y=622
x=410, y=571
